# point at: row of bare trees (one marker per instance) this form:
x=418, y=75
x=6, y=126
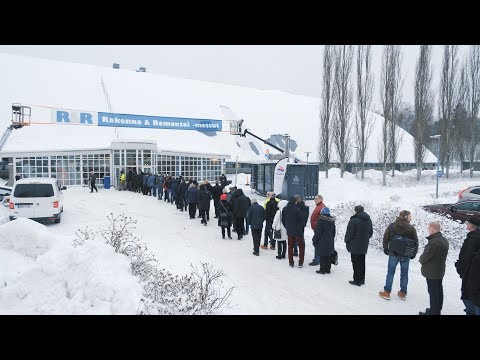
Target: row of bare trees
x=458, y=106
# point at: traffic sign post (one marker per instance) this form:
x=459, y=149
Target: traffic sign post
x=439, y=173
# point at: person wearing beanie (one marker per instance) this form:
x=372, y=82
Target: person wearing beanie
x=225, y=215
x=468, y=267
x=357, y=238
x=324, y=239
x=400, y=227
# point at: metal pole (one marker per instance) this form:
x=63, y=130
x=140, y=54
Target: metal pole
x=438, y=157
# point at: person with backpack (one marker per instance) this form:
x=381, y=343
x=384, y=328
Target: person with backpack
x=357, y=238
x=279, y=231
x=295, y=218
x=400, y=243
x=225, y=216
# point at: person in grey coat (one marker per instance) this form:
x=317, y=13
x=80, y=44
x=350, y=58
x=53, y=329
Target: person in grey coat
x=433, y=267
x=357, y=238
x=324, y=239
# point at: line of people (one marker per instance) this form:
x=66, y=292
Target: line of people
x=285, y=224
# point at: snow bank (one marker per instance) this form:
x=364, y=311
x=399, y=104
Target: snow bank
x=42, y=273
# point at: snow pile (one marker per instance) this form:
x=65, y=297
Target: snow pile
x=42, y=273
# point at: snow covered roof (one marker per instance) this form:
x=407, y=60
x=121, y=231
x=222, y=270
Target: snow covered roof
x=63, y=85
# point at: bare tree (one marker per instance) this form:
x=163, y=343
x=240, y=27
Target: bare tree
x=473, y=100
x=390, y=89
x=460, y=118
x=448, y=94
x=423, y=105
x=326, y=106
x=343, y=103
x=365, y=85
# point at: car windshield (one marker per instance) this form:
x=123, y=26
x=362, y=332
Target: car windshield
x=33, y=190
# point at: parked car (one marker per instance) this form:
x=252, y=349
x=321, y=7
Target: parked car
x=471, y=193
x=37, y=199
x=462, y=210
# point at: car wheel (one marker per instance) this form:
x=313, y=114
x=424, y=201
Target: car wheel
x=57, y=221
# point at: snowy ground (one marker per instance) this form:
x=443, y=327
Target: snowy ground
x=265, y=285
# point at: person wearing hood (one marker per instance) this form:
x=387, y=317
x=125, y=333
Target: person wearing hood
x=240, y=205
x=467, y=267
x=277, y=225
x=295, y=218
x=324, y=239
x=357, y=237
x=216, y=193
x=400, y=227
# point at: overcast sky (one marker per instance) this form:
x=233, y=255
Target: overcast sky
x=292, y=68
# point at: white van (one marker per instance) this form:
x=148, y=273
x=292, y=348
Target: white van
x=37, y=199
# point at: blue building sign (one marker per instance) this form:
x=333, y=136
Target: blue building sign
x=136, y=121
x=157, y=122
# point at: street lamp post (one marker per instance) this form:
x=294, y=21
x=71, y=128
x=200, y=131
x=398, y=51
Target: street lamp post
x=438, y=160
x=308, y=153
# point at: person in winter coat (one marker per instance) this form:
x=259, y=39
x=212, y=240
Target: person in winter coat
x=168, y=186
x=92, y=180
x=192, y=200
x=295, y=218
x=209, y=189
x=256, y=217
x=173, y=190
x=401, y=227
x=151, y=185
x=319, y=205
x=159, y=185
x=225, y=215
x=182, y=190
x=324, y=239
x=203, y=199
x=247, y=224
x=267, y=199
x=270, y=211
x=129, y=180
x=216, y=193
x=123, y=179
x=223, y=181
x=240, y=205
x=140, y=181
x=278, y=225
x=357, y=237
x=469, y=251
x=433, y=267
x=145, y=184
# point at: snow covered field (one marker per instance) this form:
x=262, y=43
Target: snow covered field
x=44, y=273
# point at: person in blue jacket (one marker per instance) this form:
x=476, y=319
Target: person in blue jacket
x=192, y=200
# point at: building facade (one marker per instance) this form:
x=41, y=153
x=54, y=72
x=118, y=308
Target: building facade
x=72, y=167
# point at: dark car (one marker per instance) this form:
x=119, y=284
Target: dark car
x=462, y=210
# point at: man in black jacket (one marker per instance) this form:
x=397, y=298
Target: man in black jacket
x=256, y=217
x=470, y=250
x=295, y=218
x=400, y=227
x=357, y=238
x=216, y=193
x=270, y=210
x=223, y=181
x=433, y=267
x=240, y=205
